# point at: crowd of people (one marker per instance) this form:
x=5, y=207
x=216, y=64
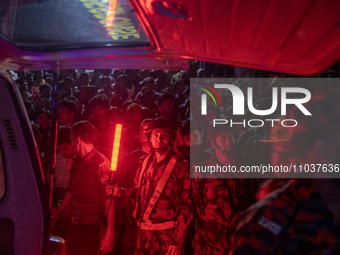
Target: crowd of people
x=151, y=204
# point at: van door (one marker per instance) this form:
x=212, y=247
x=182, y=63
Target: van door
x=24, y=213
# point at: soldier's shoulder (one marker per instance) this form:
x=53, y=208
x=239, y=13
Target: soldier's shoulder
x=142, y=158
x=182, y=162
x=100, y=160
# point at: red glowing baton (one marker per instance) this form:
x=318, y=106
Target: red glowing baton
x=116, y=144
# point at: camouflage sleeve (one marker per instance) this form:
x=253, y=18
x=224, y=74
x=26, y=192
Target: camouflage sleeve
x=259, y=230
x=185, y=208
x=243, y=240
x=197, y=193
x=256, y=234
x=239, y=197
x=128, y=196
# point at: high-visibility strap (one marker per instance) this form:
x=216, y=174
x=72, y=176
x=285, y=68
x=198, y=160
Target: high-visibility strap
x=160, y=186
x=141, y=173
x=146, y=160
x=156, y=226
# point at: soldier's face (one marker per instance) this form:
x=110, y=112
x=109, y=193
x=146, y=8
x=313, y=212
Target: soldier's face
x=160, y=139
x=226, y=141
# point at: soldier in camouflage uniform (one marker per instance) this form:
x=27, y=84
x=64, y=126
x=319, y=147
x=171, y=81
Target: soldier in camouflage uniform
x=162, y=194
x=219, y=199
x=302, y=217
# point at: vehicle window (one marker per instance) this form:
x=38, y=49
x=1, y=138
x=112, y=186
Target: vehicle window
x=2, y=179
x=58, y=25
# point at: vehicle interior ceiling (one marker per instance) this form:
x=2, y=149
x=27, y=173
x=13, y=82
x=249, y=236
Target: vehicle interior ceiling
x=227, y=39
x=292, y=37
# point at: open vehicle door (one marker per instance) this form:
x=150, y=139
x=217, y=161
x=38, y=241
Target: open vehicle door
x=296, y=37
x=24, y=212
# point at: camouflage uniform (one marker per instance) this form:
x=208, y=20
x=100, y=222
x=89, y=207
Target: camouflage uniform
x=175, y=204
x=219, y=202
x=293, y=220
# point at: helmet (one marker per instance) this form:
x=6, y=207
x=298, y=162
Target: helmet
x=218, y=129
x=161, y=123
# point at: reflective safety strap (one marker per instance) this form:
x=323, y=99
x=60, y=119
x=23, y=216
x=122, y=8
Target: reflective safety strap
x=157, y=226
x=143, y=169
x=160, y=186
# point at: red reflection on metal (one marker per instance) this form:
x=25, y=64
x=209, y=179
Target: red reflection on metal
x=111, y=10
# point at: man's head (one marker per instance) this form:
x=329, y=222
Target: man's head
x=185, y=77
x=191, y=133
x=68, y=82
x=144, y=73
x=147, y=99
x=201, y=73
x=43, y=119
x=83, y=134
x=39, y=75
x=222, y=139
x=134, y=114
x=167, y=106
x=106, y=82
x=64, y=145
x=179, y=87
x=45, y=90
x=83, y=80
x=67, y=109
x=188, y=136
x=144, y=127
x=49, y=80
x=100, y=106
x=121, y=82
x=161, y=134
x=148, y=83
